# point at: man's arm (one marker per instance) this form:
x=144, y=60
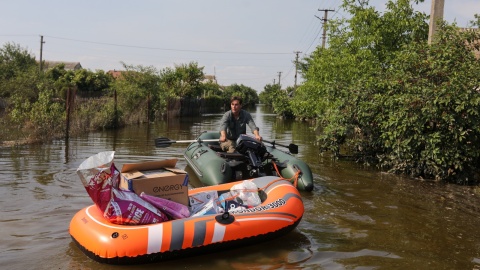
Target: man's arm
x=223, y=127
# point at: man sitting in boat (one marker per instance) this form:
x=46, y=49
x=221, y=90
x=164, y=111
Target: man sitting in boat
x=234, y=123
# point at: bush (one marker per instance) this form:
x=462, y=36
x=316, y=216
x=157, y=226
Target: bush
x=46, y=117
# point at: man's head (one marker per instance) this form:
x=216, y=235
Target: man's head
x=236, y=104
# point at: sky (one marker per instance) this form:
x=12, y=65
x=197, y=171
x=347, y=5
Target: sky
x=249, y=42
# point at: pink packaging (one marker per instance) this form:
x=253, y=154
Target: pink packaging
x=172, y=209
x=100, y=178
x=126, y=207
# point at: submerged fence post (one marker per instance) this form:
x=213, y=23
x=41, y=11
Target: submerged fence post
x=115, y=123
x=67, y=111
x=69, y=103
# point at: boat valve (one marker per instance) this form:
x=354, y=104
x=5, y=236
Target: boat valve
x=225, y=218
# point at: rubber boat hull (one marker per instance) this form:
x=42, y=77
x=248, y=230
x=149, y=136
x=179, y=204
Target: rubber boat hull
x=280, y=212
x=212, y=169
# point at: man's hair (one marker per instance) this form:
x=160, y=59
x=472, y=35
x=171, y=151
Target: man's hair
x=236, y=98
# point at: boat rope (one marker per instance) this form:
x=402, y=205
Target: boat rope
x=293, y=179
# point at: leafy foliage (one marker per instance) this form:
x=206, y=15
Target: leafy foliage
x=249, y=95
x=476, y=22
x=183, y=81
x=14, y=60
x=37, y=100
x=18, y=72
x=278, y=99
x=431, y=123
x=382, y=95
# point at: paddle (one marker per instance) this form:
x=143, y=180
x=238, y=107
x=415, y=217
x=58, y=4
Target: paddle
x=166, y=142
x=293, y=148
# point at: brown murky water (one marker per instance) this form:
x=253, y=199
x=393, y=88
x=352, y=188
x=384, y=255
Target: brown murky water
x=355, y=218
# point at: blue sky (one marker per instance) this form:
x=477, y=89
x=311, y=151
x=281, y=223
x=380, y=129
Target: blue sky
x=250, y=42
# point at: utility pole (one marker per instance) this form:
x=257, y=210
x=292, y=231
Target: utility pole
x=279, y=75
x=296, y=69
x=325, y=19
x=41, y=52
x=436, y=14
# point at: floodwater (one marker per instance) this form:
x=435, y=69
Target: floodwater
x=355, y=218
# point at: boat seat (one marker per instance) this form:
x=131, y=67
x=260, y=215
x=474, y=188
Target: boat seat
x=215, y=147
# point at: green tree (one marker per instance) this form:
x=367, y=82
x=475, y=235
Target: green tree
x=249, y=95
x=278, y=99
x=210, y=89
x=89, y=81
x=59, y=79
x=140, y=92
x=383, y=95
x=267, y=95
x=14, y=60
x=360, y=47
x=18, y=72
x=476, y=22
x=183, y=81
x=430, y=122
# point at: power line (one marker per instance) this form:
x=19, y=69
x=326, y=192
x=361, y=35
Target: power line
x=162, y=49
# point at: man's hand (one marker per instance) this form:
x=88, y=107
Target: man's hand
x=223, y=137
x=257, y=135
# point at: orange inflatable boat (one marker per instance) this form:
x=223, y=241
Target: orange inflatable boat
x=280, y=212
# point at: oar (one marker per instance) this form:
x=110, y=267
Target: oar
x=166, y=142
x=293, y=148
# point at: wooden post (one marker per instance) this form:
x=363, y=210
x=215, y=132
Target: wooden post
x=67, y=111
x=436, y=14
x=41, y=53
x=148, y=108
x=115, y=123
x=325, y=19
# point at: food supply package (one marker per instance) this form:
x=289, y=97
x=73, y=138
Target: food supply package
x=100, y=178
x=204, y=203
x=172, y=209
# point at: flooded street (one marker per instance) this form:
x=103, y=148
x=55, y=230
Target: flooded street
x=355, y=218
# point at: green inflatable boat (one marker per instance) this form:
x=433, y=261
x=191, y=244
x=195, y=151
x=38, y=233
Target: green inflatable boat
x=251, y=159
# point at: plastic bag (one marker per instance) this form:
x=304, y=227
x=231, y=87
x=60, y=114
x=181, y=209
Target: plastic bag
x=98, y=174
x=247, y=191
x=100, y=178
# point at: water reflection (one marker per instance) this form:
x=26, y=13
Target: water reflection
x=356, y=217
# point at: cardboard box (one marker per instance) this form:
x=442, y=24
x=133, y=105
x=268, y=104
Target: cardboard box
x=157, y=178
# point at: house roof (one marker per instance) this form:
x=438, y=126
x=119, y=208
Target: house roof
x=209, y=78
x=115, y=73
x=68, y=65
